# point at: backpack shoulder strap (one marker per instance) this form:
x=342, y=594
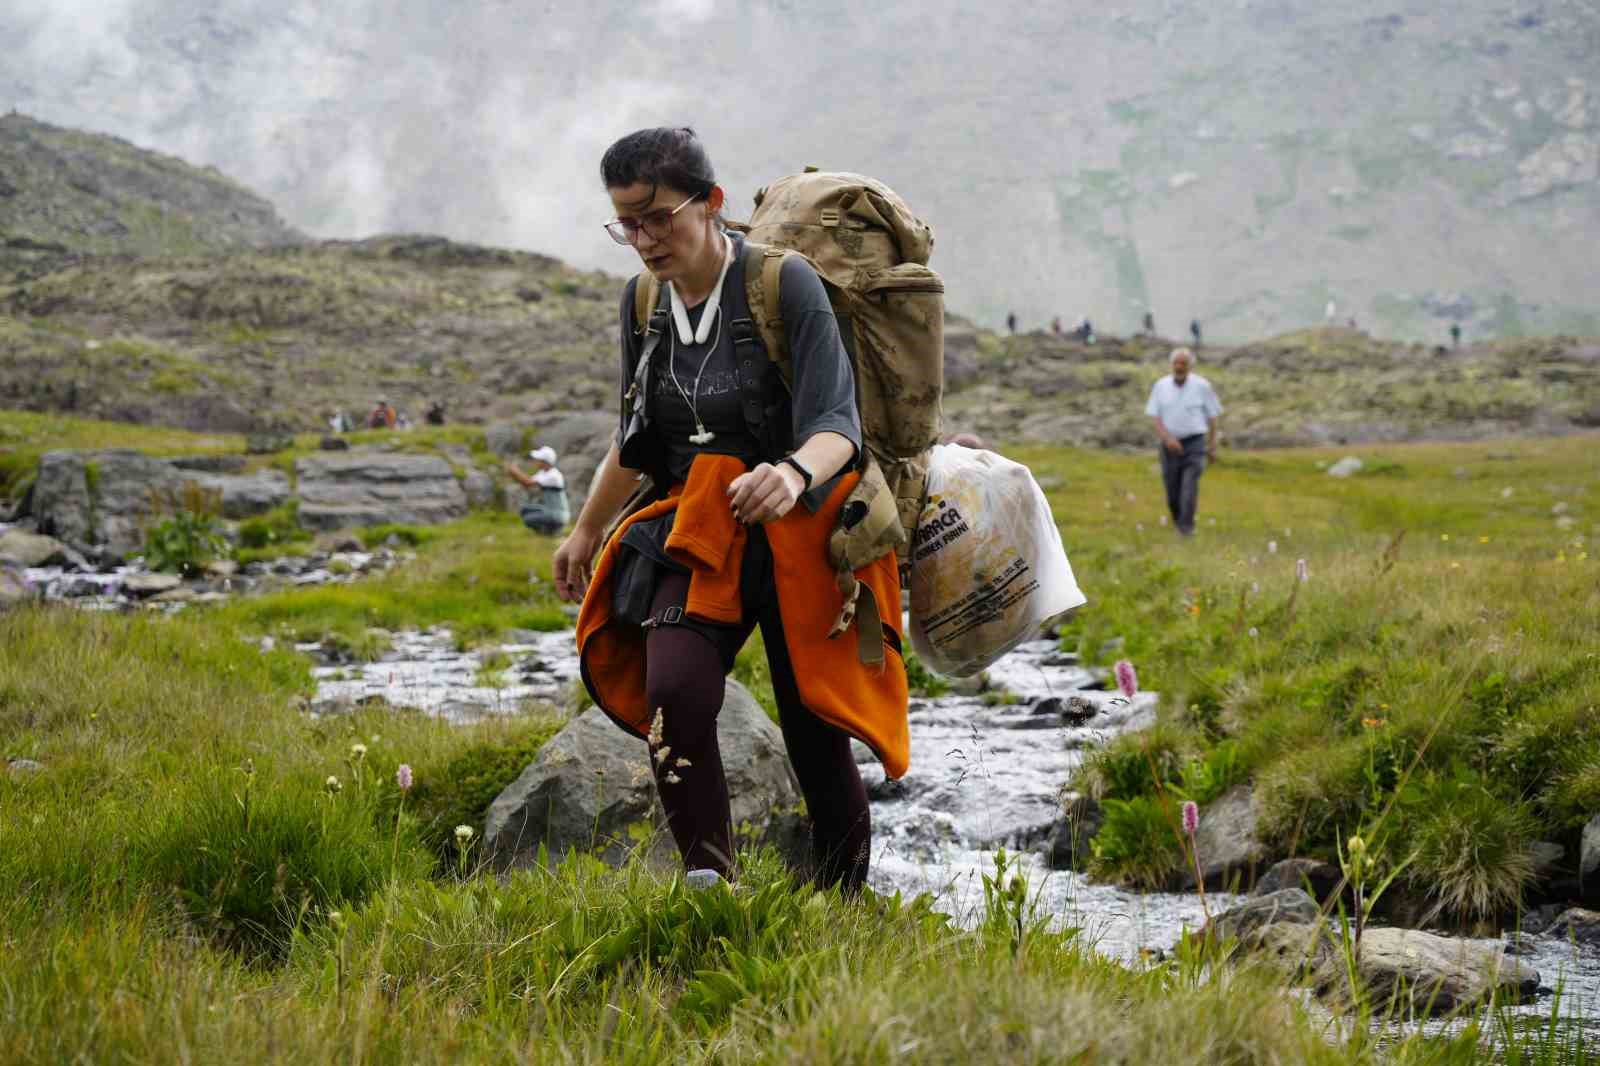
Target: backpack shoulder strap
x=763, y=271
x=646, y=294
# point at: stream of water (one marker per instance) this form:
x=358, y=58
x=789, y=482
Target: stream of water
x=985, y=774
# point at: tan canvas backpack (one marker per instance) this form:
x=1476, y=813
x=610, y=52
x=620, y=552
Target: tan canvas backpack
x=871, y=252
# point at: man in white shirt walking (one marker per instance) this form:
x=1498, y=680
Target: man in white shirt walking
x=1184, y=408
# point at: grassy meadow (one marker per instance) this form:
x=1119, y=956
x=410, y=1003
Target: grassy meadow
x=203, y=872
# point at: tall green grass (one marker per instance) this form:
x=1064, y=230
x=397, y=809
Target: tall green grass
x=1462, y=651
x=181, y=884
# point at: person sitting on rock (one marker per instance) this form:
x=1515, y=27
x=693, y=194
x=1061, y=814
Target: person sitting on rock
x=747, y=481
x=547, y=510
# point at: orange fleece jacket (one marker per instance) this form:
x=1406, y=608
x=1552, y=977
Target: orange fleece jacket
x=869, y=704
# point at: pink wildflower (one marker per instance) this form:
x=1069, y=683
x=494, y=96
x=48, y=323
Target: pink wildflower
x=1191, y=817
x=402, y=777
x=1127, y=680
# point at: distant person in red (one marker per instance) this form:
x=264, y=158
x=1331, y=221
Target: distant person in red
x=1055, y=324
x=383, y=416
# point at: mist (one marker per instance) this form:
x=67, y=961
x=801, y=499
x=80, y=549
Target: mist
x=1210, y=160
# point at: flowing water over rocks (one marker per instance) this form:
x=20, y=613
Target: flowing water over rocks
x=986, y=772
x=984, y=777
x=429, y=672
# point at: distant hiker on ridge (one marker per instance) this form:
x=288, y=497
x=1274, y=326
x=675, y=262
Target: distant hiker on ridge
x=1011, y=321
x=1194, y=331
x=1150, y=323
x=1455, y=334
x=1184, y=408
x=383, y=416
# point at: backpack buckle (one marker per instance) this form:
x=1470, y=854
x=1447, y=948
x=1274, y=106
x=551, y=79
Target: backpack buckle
x=669, y=617
x=830, y=216
x=743, y=331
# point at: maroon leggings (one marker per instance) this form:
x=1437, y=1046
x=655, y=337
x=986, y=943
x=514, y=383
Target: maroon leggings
x=684, y=677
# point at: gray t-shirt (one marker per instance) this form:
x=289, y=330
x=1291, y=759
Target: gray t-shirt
x=712, y=375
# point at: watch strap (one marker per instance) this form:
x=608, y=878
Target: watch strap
x=805, y=475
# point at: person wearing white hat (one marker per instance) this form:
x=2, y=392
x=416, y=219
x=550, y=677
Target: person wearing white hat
x=547, y=510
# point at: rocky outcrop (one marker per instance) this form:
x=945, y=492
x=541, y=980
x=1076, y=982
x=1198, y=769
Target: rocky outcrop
x=101, y=502
x=1226, y=842
x=368, y=488
x=591, y=784
x=244, y=495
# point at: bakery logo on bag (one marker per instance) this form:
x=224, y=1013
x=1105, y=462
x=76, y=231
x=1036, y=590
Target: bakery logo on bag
x=939, y=530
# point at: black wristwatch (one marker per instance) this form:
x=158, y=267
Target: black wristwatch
x=805, y=475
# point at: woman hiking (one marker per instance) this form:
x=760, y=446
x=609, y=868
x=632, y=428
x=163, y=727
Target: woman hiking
x=748, y=478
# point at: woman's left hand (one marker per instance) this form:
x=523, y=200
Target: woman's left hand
x=765, y=494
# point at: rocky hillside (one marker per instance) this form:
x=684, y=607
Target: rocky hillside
x=198, y=326
x=65, y=192
x=1330, y=385
x=1246, y=163
x=280, y=338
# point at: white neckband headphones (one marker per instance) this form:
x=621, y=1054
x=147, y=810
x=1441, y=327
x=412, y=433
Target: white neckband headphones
x=680, y=313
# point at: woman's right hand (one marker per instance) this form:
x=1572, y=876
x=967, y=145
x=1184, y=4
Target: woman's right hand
x=570, y=566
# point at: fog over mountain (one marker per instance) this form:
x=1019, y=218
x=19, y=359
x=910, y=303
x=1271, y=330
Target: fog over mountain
x=1243, y=161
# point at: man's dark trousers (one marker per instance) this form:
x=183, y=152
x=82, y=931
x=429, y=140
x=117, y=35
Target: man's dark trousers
x=1180, y=473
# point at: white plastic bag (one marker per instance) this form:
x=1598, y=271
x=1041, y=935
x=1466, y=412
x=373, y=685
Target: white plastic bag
x=987, y=566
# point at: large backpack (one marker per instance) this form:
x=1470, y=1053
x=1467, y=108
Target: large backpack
x=871, y=252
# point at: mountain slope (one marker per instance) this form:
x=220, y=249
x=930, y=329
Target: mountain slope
x=66, y=191
x=1244, y=162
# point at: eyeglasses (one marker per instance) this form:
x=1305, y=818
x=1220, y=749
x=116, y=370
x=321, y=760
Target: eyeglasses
x=657, y=224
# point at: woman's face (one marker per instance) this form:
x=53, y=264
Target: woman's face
x=690, y=232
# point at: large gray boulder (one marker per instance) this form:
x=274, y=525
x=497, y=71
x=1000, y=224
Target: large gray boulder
x=244, y=495
x=1589, y=860
x=591, y=784
x=1068, y=845
x=14, y=589
x=1421, y=972
x=1226, y=842
x=367, y=488
x=1577, y=926
x=1434, y=974
x=33, y=549
x=1322, y=877
x=101, y=502
x=1286, y=905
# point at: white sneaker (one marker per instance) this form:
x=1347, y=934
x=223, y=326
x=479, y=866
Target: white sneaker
x=702, y=879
